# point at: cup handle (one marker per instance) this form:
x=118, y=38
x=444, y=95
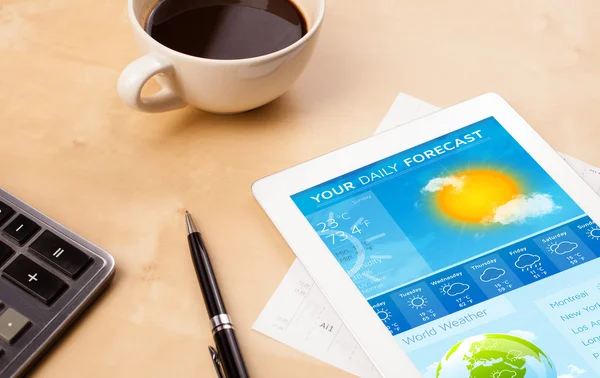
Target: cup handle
x=136, y=74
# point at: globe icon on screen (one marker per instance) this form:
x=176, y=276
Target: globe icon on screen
x=495, y=356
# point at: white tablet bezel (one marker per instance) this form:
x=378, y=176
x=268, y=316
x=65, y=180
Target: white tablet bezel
x=274, y=194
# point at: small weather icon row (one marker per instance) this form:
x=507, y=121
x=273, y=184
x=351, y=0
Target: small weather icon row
x=524, y=262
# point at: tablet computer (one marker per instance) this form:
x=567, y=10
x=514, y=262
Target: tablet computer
x=458, y=245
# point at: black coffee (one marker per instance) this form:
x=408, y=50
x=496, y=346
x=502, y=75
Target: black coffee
x=226, y=29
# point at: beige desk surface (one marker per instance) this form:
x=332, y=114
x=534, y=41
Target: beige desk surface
x=122, y=179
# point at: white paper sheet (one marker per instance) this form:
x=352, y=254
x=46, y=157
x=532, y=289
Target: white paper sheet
x=299, y=315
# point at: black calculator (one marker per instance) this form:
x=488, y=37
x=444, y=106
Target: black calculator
x=48, y=276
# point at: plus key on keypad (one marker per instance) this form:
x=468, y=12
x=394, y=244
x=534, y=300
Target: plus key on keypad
x=61, y=254
x=21, y=229
x=35, y=280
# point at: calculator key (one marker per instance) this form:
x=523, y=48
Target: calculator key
x=21, y=229
x=61, y=254
x=5, y=212
x=5, y=253
x=34, y=279
x=12, y=325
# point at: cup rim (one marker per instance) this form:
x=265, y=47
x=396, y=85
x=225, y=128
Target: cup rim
x=256, y=59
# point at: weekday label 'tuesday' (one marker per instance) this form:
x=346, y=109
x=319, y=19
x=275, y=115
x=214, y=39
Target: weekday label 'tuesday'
x=479, y=264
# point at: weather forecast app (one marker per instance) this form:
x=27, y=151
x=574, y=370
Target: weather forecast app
x=475, y=259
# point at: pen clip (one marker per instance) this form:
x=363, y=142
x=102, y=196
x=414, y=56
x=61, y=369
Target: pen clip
x=214, y=356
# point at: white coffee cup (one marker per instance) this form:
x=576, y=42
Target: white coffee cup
x=216, y=86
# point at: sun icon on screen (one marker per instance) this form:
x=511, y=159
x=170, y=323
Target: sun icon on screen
x=476, y=195
x=384, y=315
x=444, y=289
x=417, y=302
x=594, y=233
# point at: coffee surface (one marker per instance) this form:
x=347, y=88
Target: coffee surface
x=226, y=29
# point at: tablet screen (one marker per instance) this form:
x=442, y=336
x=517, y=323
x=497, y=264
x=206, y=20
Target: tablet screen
x=475, y=259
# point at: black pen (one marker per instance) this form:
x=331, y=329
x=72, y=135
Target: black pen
x=227, y=358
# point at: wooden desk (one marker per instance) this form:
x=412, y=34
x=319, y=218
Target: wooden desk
x=123, y=179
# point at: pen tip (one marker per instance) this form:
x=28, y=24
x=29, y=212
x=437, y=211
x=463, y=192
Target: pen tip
x=191, y=227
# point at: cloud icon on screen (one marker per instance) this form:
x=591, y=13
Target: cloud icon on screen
x=492, y=274
x=563, y=247
x=526, y=260
x=522, y=208
x=457, y=289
